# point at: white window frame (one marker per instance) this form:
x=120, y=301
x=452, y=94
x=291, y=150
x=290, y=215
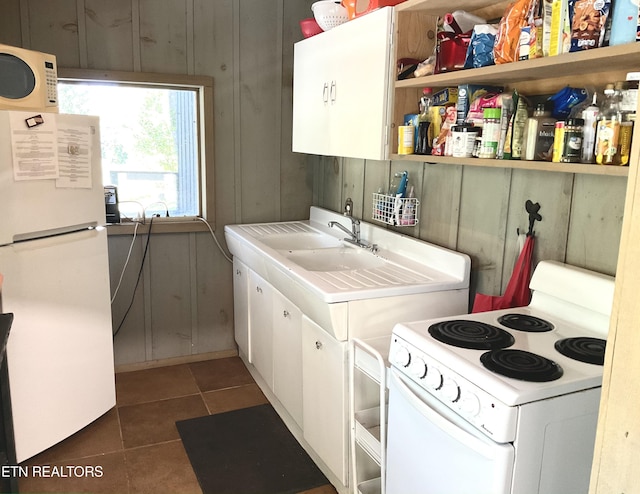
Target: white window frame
x=204, y=86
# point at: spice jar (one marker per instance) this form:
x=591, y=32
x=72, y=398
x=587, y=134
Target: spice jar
x=490, y=133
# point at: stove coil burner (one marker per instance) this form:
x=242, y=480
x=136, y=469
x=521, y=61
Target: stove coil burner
x=474, y=335
x=525, y=322
x=583, y=349
x=522, y=365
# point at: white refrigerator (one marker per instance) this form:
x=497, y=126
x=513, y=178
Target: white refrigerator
x=53, y=257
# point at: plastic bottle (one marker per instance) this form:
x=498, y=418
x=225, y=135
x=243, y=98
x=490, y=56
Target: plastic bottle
x=423, y=145
x=608, y=128
x=539, y=134
x=627, y=107
x=558, y=141
x=590, y=116
x=519, y=122
x=408, y=217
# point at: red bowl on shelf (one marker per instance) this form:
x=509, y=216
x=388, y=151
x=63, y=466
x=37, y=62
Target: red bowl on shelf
x=310, y=27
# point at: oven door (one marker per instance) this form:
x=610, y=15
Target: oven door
x=432, y=450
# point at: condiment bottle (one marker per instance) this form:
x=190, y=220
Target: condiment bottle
x=628, y=103
x=423, y=145
x=558, y=141
x=608, y=129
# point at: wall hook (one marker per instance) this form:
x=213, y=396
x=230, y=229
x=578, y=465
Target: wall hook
x=532, y=209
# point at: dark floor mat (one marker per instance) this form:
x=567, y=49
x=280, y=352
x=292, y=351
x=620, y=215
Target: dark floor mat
x=247, y=451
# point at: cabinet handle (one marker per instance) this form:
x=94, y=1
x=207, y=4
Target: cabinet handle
x=333, y=91
x=325, y=92
x=318, y=345
x=258, y=289
x=285, y=313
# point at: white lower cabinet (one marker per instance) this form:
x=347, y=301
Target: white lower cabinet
x=324, y=396
x=302, y=365
x=287, y=355
x=261, y=326
x=241, y=306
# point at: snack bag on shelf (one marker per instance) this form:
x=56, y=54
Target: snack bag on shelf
x=516, y=17
x=588, y=19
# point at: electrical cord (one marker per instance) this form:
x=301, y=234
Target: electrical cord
x=144, y=256
x=135, y=288
x=215, y=239
x=126, y=262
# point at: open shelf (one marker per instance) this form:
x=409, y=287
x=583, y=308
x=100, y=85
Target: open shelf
x=625, y=58
x=614, y=171
x=415, y=38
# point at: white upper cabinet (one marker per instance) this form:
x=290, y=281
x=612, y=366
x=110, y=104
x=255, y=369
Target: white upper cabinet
x=341, y=84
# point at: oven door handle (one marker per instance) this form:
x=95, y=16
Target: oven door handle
x=488, y=450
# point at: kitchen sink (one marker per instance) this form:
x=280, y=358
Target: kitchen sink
x=335, y=259
x=310, y=257
x=300, y=241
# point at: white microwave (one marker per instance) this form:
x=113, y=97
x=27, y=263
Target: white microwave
x=28, y=80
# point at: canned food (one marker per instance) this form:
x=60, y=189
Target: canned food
x=405, y=139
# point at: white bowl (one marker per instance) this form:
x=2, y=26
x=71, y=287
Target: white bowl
x=329, y=14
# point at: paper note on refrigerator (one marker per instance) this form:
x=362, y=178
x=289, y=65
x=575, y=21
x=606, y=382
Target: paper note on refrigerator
x=74, y=156
x=34, y=146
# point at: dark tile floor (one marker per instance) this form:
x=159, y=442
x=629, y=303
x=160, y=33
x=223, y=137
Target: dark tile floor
x=135, y=447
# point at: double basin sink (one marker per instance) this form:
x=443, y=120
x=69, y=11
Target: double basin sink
x=321, y=260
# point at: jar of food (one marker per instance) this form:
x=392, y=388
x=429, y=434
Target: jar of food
x=572, y=145
x=463, y=138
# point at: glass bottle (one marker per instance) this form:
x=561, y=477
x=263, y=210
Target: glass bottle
x=423, y=146
x=608, y=128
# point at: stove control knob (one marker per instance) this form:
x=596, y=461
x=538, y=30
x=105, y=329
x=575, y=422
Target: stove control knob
x=434, y=378
x=418, y=368
x=450, y=390
x=470, y=404
x=402, y=357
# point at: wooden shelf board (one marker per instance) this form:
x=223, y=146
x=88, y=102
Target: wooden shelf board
x=622, y=57
x=616, y=171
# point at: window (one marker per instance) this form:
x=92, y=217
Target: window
x=152, y=137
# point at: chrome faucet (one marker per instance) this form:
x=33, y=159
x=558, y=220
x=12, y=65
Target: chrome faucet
x=354, y=234
x=355, y=229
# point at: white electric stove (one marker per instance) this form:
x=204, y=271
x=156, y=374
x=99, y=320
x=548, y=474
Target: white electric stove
x=506, y=401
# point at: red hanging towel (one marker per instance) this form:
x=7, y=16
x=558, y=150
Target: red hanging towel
x=517, y=293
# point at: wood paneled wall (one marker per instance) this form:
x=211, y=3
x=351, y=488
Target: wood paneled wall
x=478, y=211
x=184, y=303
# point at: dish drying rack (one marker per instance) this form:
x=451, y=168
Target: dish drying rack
x=395, y=211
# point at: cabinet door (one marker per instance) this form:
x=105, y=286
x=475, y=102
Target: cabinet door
x=287, y=355
x=350, y=67
x=311, y=79
x=241, y=307
x=260, y=326
x=359, y=88
x=324, y=395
